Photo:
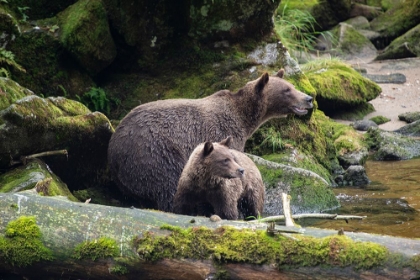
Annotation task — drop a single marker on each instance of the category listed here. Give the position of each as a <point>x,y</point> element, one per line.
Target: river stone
<point>394,78</point>
<point>353,158</point>
<point>356,175</point>
<point>409,117</point>
<point>358,22</point>
<point>363,125</point>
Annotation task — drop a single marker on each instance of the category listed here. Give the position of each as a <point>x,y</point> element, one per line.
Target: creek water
<point>391,201</point>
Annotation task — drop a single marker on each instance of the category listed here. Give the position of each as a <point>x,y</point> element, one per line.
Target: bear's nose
<point>241,170</point>
<point>309,99</point>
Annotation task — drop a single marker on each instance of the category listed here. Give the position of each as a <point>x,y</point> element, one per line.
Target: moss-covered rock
<point>49,69</point>
<point>34,10</point>
<point>331,12</point>
<point>404,46</point>
<point>85,34</point>
<point>409,117</point>
<point>397,20</point>
<point>341,89</point>
<point>392,146</point>
<point>35,174</point>
<point>10,92</point>
<point>351,44</point>
<point>380,120</point>
<point>33,124</point>
<point>309,191</point>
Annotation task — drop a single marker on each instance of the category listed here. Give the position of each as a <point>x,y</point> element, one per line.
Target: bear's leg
<point>226,207</point>
<point>251,205</point>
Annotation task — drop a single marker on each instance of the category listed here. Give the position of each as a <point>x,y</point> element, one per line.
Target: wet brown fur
<point>207,187</point>
<point>151,145</point>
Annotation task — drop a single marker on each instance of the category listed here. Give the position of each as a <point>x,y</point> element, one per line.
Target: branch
<point>24,159</point>
<point>315,215</point>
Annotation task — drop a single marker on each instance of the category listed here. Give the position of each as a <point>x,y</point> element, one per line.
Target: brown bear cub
<point>219,180</point>
<point>151,145</point>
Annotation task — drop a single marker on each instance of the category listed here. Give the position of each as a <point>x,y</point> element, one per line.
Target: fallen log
<point>81,241</point>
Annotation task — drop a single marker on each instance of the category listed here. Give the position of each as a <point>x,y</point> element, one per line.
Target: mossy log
<point>81,241</point>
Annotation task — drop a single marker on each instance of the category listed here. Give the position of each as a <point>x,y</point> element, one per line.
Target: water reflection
<point>391,202</point>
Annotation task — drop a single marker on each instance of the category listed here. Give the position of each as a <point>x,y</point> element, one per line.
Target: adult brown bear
<point>152,143</point>
<point>219,180</point>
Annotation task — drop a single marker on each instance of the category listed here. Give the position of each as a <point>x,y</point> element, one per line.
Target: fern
<point>7,57</point>
<point>96,100</point>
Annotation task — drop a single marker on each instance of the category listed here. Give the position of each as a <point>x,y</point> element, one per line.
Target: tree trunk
<point>64,225</point>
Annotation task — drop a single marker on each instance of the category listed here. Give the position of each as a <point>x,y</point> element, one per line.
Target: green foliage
<point>7,57</point>
<point>96,100</point>
<point>296,29</point>
<point>272,138</point>
<point>22,11</point>
<point>21,245</point>
<point>98,249</point>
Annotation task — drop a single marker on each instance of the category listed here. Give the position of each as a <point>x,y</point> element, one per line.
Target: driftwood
<point>66,224</point>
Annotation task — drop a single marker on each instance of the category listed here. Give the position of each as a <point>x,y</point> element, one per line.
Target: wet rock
<point>409,117</point>
<point>355,175</point>
<point>353,158</point>
<point>363,125</point>
<point>412,129</point>
<point>391,145</point>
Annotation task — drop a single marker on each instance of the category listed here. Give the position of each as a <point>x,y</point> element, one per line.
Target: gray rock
<point>363,125</point>
<point>392,145</point>
<point>394,78</point>
<point>355,175</point>
<point>412,129</point>
<point>353,158</point>
<point>358,22</point>
<point>406,45</point>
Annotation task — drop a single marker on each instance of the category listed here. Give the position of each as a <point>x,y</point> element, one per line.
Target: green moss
<point>21,245</point>
<point>97,249</point>
<point>379,120</point>
<point>10,92</point>
<point>339,87</point>
<point>227,245</point>
<point>34,175</point>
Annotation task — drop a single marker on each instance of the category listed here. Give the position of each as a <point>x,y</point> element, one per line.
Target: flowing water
<point>391,202</point>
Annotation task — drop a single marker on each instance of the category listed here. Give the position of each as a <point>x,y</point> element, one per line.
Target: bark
<point>66,224</point>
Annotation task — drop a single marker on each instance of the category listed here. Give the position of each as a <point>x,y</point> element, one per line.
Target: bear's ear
<point>227,142</point>
<point>280,74</point>
<point>208,148</point>
<point>261,82</point>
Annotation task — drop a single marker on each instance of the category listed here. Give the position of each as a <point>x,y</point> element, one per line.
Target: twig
<point>24,159</point>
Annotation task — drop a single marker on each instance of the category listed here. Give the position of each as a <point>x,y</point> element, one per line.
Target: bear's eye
<point>226,160</point>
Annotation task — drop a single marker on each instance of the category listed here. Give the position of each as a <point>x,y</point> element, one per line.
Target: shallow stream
<point>391,202</point>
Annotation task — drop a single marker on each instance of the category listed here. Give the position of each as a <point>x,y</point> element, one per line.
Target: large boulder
<point>404,46</point>
<point>396,21</point>
<point>86,35</point>
<point>331,12</point>
<point>33,125</point>
<point>342,92</point>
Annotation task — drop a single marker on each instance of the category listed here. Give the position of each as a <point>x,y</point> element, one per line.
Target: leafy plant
<point>8,58</point>
<point>272,138</point>
<point>296,30</point>
<point>22,12</point>
<point>96,100</point>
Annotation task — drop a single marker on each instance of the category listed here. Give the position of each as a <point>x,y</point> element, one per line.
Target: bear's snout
<point>241,171</point>
<point>309,99</point>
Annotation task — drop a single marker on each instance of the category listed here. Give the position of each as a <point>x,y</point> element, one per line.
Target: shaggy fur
<point>207,187</point>
<point>152,143</point>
